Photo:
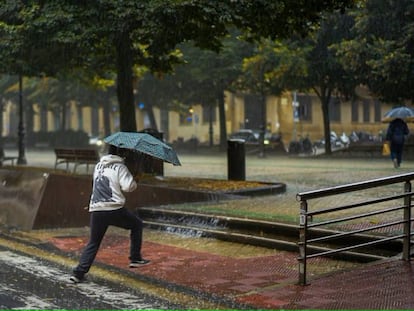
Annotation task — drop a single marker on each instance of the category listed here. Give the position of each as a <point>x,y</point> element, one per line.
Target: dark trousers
<point>99,223</point>
<point>396,152</point>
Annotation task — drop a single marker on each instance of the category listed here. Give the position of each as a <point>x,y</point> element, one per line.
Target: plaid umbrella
<point>144,143</point>
<point>405,113</point>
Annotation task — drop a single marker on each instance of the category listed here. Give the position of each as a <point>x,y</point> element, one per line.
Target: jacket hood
<point>111,159</point>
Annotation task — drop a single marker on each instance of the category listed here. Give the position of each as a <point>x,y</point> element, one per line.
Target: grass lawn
<point>299,175</point>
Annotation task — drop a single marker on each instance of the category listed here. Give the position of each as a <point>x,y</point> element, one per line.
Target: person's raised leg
<point>128,220</point>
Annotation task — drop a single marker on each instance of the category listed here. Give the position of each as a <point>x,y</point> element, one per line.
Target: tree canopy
<point>53,37</point>
<point>304,64</point>
<point>381,51</point>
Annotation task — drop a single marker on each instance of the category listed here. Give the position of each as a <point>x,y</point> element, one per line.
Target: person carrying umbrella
<point>110,179</point>
<point>396,132</point>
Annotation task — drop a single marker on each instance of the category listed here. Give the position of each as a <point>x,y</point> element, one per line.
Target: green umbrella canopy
<point>145,143</point>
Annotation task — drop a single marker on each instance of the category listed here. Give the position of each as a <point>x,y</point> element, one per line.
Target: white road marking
<point>116,299</point>
<point>30,301</point>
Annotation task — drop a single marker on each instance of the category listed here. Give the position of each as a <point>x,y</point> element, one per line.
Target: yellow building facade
<point>241,112</point>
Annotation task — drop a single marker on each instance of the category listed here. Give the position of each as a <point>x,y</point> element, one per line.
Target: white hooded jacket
<point>110,179</point>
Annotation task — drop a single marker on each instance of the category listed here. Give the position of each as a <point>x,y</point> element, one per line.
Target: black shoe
<point>396,165</point>
<point>75,280</point>
<point>138,263</point>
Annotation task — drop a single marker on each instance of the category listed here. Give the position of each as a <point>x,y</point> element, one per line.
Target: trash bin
<point>236,160</point>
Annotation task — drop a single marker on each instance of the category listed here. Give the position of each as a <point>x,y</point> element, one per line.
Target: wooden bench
<point>76,157</point>
<point>4,158</point>
<point>372,149</point>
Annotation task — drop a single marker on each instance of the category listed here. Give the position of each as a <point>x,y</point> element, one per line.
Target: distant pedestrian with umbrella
<point>396,132</point>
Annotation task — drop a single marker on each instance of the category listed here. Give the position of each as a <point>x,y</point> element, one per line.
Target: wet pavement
<point>231,277</point>
<point>31,283</point>
<point>240,276</point>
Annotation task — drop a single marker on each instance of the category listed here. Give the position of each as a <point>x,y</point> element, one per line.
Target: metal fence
<point>376,204</point>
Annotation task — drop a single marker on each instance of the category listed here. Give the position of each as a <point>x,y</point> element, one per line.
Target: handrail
<point>344,234</point>
<point>382,211</point>
<point>363,185</point>
<point>306,216</point>
<point>338,208</point>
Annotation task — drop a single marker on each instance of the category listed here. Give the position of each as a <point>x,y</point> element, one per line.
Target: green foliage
<point>55,37</point>
<point>6,82</point>
<point>381,53</point>
<point>275,67</point>
<point>37,38</point>
<point>304,64</point>
<point>325,70</point>
<point>282,19</point>
<point>202,76</point>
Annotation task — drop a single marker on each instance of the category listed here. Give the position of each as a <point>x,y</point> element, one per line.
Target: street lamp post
<point>21,157</point>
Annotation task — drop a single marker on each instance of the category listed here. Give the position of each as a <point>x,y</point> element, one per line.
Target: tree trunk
<point>222,117</point>
<point>124,88</point>
<point>325,98</point>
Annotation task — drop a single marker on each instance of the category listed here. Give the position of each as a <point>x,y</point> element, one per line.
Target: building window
<point>377,111</point>
<point>335,110</point>
<point>365,110</point>
<point>305,107</point>
<point>355,111</point>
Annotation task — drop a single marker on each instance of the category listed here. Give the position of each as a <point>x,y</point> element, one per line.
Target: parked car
<point>253,136</point>
<point>249,136</point>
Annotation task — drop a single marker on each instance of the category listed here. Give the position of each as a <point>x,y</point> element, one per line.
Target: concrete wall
<point>20,195</point>
<point>33,199</point>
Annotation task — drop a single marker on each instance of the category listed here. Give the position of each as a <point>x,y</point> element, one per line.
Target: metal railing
<point>307,217</point>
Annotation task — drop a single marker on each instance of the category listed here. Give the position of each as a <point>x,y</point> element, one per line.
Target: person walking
<point>110,179</point>
<point>396,132</point>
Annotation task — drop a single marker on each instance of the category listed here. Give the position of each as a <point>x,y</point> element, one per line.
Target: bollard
<point>236,161</point>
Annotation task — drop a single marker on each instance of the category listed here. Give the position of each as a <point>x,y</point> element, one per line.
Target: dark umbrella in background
<point>144,143</point>
<point>404,113</point>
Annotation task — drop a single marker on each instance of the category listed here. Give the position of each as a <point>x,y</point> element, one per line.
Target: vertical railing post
<point>303,221</point>
<point>407,222</point>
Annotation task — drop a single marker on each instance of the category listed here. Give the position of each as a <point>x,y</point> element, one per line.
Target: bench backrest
<point>77,154</point>
<point>67,154</point>
<point>87,154</point>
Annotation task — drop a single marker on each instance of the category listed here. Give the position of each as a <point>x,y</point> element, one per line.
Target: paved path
<point>49,288</point>
<point>259,279</point>
<point>230,281</point>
